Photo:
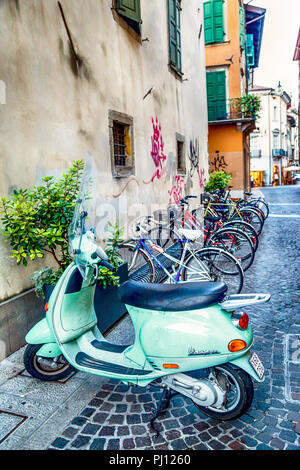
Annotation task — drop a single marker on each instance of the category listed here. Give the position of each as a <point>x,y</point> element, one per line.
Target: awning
<point>292,168</point>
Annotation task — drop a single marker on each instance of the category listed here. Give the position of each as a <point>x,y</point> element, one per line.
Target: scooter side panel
<point>195,333</point>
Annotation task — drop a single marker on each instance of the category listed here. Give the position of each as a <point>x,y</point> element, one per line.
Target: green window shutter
<point>208,22</point>
<point>213,13</point>
<point>175,34</point>
<point>218,20</point>
<point>242,28</point>
<point>131,9</point>
<point>250,51</point>
<point>216,95</point>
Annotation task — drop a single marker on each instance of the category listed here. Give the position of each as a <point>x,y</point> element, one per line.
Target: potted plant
<point>36,223</point>
<point>217,180</point>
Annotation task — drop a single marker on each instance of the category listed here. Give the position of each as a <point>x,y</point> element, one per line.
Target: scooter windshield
<point>82,227</point>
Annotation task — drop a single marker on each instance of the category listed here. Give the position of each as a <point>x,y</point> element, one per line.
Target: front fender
<point>40,334</point>
<point>243,363</point>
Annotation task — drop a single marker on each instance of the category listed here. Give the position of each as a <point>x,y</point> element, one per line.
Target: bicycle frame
<point>177,261</point>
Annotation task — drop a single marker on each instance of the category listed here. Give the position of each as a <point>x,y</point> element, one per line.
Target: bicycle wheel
<point>245,228</point>
<point>214,264</point>
<point>261,205</point>
<point>236,242</point>
<point>140,265</point>
<point>249,215</point>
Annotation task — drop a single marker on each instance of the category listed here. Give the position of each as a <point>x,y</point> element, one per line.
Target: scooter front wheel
<point>239,393</point>
<point>45,368</point>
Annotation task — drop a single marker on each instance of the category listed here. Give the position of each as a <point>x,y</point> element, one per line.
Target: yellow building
<point>233,34</point>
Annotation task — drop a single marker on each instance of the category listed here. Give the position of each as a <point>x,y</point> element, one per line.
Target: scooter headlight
<point>240,320</point>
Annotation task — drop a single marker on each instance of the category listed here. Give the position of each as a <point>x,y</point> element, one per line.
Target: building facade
<point>274,142</point>
<point>123,79</point>
<point>297,58</point>
<point>232,48</point>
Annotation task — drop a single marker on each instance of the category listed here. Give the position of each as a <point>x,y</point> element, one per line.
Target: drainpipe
<point>270,148</point>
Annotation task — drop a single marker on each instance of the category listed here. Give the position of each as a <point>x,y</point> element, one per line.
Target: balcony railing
<point>255,153</point>
<point>231,109</point>
<point>279,153</point>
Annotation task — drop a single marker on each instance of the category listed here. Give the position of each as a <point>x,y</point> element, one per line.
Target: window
<point>213,21</point>
<point>175,35</point>
<point>275,113</point>
<point>216,95</point>
<point>130,11</point>
<point>275,139</point>
<point>180,153</point>
<point>121,144</point>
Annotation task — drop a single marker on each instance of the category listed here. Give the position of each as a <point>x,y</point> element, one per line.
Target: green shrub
<point>36,223</point>
<point>217,180</point>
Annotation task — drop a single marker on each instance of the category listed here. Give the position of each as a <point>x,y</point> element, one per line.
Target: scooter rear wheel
<point>239,397</point>
<point>38,368</point>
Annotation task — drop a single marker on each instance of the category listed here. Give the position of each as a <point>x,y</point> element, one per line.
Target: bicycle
<point>206,264</point>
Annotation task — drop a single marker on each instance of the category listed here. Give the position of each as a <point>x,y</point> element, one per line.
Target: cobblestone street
<point>118,416</point>
<point>89,412</point>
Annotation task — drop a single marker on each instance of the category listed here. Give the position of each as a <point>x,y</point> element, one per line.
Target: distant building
<point>297,57</point>
<point>233,35</point>
<point>274,142</point>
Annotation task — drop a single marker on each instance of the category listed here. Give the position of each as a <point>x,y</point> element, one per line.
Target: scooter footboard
<point>233,302</point>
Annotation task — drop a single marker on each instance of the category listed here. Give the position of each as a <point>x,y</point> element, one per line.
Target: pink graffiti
<point>202,180</point>
<point>123,189</point>
<point>157,152</point>
<point>175,191</point>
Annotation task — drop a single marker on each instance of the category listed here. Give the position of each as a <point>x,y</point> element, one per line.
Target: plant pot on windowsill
<point>109,309</point>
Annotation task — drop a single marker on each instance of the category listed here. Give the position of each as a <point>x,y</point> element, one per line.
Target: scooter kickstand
<point>162,407</point>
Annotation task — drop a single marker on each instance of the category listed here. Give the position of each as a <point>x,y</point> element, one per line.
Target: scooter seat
<point>172,297</point>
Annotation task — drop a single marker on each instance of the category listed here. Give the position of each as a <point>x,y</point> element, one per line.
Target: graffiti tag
<point>175,192</point>
<point>218,163</point>
<point>157,151</point>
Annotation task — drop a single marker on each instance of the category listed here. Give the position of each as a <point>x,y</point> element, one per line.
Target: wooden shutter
<point>218,20</point>
<point>213,21</point>
<point>175,34</point>
<point>250,51</point>
<point>216,95</point>
<point>242,28</point>
<point>208,22</point>
<point>131,9</point>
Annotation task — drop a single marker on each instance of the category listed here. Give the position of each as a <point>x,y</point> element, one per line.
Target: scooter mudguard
<point>243,363</point>
<point>41,334</point>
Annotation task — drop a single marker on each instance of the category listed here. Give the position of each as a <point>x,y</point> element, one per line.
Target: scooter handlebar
<point>107,265</point>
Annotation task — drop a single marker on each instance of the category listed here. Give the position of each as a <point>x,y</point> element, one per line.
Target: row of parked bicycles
<point>216,241</point>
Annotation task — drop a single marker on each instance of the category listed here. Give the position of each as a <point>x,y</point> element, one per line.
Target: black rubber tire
<point>251,216</point>
<point>130,248</point>
<point>247,228</point>
<point>34,369</point>
<point>206,254</point>
<point>226,237</point>
<point>245,385</point>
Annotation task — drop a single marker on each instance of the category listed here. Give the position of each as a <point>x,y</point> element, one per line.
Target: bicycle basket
<point>205,198</point>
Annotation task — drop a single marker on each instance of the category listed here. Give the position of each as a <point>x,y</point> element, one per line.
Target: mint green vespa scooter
<point>189,338</point>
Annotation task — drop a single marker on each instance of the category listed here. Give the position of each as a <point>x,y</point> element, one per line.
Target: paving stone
<point>60,443</point>
<point>98,444</point>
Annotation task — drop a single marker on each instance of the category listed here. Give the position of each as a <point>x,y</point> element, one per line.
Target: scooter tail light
<point>170,366</point>
<point>244,321</point>
<point>46,307</point>
<point>240,320</point>
<point>237,345</point>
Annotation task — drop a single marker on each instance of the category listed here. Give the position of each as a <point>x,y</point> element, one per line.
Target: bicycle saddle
<point>190,234</point>
<point>172,297</point>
